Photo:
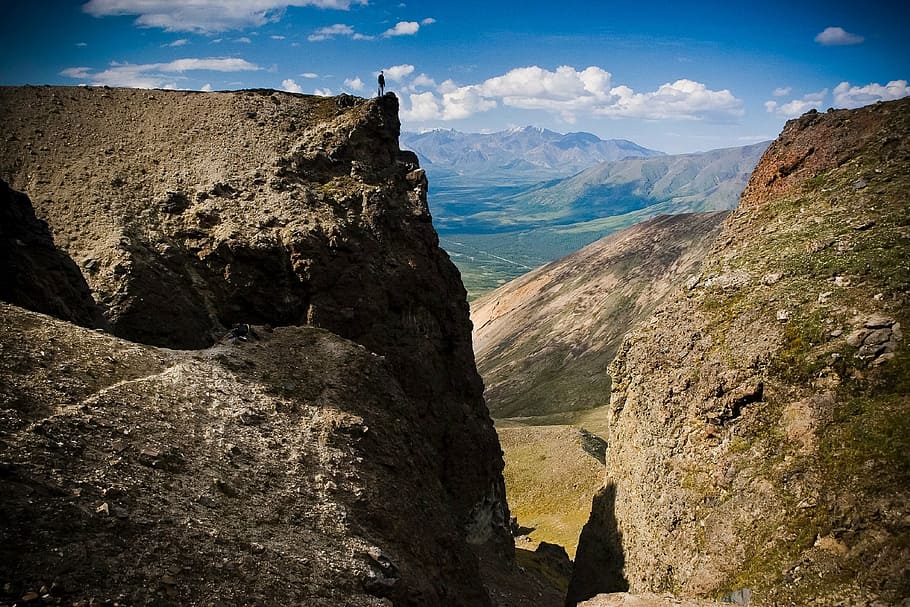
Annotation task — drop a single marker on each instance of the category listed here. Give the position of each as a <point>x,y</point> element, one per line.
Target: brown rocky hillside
<point>342,454</point>
<point>543,341</point>
<point>758,430</point>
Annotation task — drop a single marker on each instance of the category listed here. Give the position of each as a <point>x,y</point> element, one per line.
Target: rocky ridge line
<point>758,429</point>
<point>191,212</point>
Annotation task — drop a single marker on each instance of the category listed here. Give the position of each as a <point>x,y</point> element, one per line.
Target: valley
<point>505,203</point>
<point>738,366</point>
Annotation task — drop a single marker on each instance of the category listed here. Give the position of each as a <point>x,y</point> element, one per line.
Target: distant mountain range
<point>705,181</point>
<point>510,201</point>
<point>528,150</point>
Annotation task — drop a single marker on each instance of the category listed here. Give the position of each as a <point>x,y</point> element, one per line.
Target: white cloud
<point>681,100</point>
<point>82,44</point>
<point>243,40</point>
<point>355,84</point>
<point>309,75</point>
<point>207,87</point>
<point>423,81</point>
<point>176,43</point>
<point>155,75</point>
<point>424,107</point>
<point>849,96</point>
<point>339,29</point>
<point>402,28</point>
<point>428,21</point>
<point>798,107</point>
<point>782,91</point>
<point>206,15</point>
<point>837,36</point>
<point>569,92</point>
<point>290,86</point>
<point>397,73</point>
<point>323,92</point>
<point>565,90</point>
<point>276,37</point>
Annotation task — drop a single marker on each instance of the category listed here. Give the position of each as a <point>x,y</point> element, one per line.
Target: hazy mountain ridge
<point>496,233</point>
<point>520,149</point>
<point>704,181</point>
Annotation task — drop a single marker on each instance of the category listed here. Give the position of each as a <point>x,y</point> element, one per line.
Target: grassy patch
<point>550,481</point>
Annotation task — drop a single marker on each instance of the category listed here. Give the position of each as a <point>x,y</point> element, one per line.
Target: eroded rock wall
<point>190,212</point>
<point>34,273</point>
<point>758,436</point>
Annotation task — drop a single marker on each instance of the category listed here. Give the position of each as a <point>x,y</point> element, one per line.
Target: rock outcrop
<point>190,213</point>
<point>34,273</point>
<point>758,436</point>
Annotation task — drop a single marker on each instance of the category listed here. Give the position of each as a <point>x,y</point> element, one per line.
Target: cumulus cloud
<point>428,21</point>
<point>323,92</point>
<point>569,92</point>
<point>397,73</point>
<point>680,100</point>
<point>837,36</point>
<point>845,96</point>
<point>782,91</point>
<point>327,33</point>
<point>423,81</point>
<point>206,88</point>
<point>205,16</point>
<point>339,29</point>
<point>243,40</point>
<point>176,43</point>
<point>798,107</point>
<point>355,84</point>
<point>848,96</point>
<point>402,28</point>
<point>155,75</point>
<point>290,86</point>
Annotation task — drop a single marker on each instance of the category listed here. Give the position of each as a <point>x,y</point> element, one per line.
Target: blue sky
<point>674,76</point>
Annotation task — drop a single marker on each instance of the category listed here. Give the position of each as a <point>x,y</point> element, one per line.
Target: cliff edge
<point>758,432</point>
<point>334,443</point>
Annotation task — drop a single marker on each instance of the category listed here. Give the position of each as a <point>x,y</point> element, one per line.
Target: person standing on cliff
<point>381,83</point>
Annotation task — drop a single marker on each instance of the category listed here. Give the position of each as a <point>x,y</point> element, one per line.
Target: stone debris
<point>625,599</point>
<point>771,278</point>
<point>879,337</point>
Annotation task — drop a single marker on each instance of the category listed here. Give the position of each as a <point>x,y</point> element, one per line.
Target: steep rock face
<point>277,470</point>
<point>191,212</point>
<point>35,274</point>
<point>758,435</point>
<point>543,340</point>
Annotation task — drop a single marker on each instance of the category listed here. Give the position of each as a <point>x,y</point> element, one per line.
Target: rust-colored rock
<point>758,429</point>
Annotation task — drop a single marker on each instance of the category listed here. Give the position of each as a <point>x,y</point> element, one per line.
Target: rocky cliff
<point>34,273</point>
<point>344,450</point>
<point>758,430</point>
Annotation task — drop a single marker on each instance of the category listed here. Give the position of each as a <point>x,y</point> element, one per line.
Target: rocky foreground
<point>280,405</point>
<point>758,429</point>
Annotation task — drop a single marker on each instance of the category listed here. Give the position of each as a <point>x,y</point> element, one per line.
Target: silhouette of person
<point>381,83</point>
